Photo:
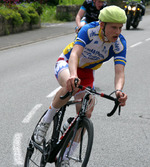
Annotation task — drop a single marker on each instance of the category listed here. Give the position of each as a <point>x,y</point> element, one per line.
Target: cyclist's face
<point>98,4</point>
<point>112,31</point>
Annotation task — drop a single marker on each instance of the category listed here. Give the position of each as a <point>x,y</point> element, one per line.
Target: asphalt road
<point>27,81</point>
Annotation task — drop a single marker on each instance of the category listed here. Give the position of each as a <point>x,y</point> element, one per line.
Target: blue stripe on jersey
<point>83,8</point>
<point>120,58</point>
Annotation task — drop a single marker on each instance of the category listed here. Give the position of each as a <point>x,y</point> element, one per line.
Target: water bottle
<point>66,125</point>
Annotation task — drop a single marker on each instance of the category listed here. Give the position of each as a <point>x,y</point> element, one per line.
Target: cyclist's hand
<point>122,97</point>
<point>77,29</point>
<point>71,83</point>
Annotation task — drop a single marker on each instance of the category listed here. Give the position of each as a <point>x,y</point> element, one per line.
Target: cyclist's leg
<point>62,73</point>
<point>57,103</point>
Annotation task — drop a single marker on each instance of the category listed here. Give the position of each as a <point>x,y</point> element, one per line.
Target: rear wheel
<point>80,150</point>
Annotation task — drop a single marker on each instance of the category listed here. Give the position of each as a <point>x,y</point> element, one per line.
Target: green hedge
<point>11,14</point>
<point>71,2</point>
<point>19,14</point>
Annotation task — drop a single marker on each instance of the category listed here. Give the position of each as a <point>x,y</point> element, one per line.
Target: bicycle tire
<point>87,143</point>
<point>34,157</point>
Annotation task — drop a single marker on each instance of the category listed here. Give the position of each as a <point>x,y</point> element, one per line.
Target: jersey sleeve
<point>84,6</point>
<point>83,38</point>
<point>119,50</point>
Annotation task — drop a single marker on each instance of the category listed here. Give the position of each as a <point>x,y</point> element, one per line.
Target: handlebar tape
<point>114,109</point>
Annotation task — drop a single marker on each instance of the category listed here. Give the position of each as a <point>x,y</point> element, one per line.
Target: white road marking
<point>31,114</point>
<point>135,44</point>
<point>53,92</point>
<point>17,152</point>
<point>148,39</point>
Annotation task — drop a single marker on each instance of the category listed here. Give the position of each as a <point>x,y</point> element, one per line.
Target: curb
<point>31,42</point>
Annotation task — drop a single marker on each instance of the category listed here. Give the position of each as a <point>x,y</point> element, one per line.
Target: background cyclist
<point>89,12</point>
<point>95,44</point>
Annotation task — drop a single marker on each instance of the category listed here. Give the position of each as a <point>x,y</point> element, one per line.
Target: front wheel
<point>77,154</point>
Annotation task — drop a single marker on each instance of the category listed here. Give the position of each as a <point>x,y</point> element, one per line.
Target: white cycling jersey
<point>96,51</point>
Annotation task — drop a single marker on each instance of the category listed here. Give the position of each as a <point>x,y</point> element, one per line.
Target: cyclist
<point>89,12</point>
<point>95,44</point>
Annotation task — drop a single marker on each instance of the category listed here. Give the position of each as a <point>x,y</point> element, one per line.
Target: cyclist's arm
<point>119,83</point>
<point>119,76</point>
<point>79,16</point>
<point>73,64</point>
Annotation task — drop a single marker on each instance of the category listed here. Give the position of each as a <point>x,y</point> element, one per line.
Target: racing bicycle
<point>79,131</point>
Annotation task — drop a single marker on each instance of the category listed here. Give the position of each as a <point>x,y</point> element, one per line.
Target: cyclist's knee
<point>63,76</point>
